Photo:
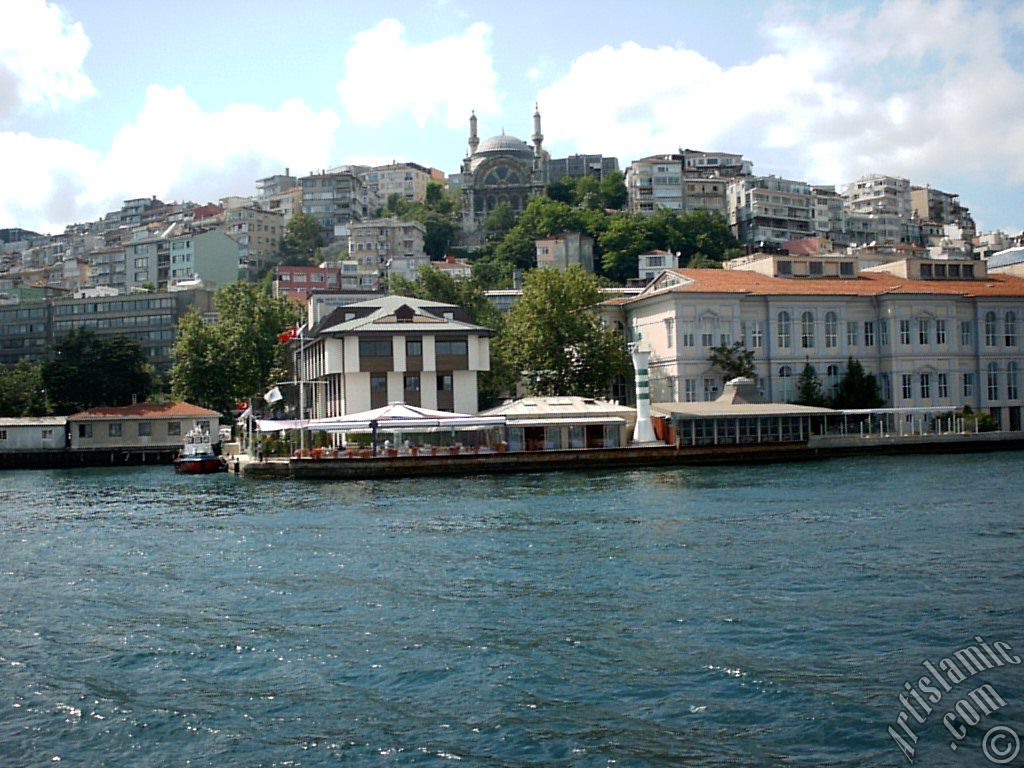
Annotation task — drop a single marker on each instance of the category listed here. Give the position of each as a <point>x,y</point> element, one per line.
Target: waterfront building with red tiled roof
<point>149,426</point>
<point>934,332</point>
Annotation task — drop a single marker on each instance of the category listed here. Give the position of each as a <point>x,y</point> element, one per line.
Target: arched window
<point>784,330</point>
<point>993,381</point>
<point>990,329</point>
<point>786,383</point>
<point>1012,393</point>
<point>832,377</point>
<point>831,330</point>
<point>807,330</point>
<point>1011,329</point>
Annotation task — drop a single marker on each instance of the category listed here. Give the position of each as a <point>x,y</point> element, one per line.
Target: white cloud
<point>852,93</point>
<point>173,150</point>
<point>173,140</point>
<point>41,56</point>
<point>386,76</point>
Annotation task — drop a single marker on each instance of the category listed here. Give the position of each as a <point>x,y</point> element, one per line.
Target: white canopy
<point>397,417</point>
<point>277,425</point>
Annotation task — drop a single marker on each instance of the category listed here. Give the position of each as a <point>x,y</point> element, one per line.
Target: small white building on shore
<point>554,423</point>
<point>41,433</point>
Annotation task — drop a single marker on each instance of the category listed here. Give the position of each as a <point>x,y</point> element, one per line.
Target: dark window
<point>85,430</point>
<point>414,348</point>
<point>452,347</point>
<point>114,429</point>
<point>173,428</point>
<point>444,382</point>
<point>379,382</point>
<point>374,347</point>
<point>145,428</point>
<point>412,383</point>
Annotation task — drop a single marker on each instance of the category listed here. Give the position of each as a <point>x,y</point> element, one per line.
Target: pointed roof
<point>397,314</point>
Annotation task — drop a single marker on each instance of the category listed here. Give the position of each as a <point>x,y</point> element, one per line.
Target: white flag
<point>273,395</point>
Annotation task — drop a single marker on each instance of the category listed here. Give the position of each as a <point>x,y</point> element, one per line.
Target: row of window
<point>130,321</point>
<point>411,382</point>
<point>369,347</point>
<point>992,381</point>
<point>137,305</point>
<point>47,434</point>
<point>116,429</point>
<point>928,329</point>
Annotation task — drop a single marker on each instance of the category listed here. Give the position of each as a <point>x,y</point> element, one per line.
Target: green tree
<point>808,387</point>
<point>442,232</point>
<point>621,243</point>
<point>857,389</point>
<point>499,221</point>
<point>397,205</point>
<point>588,192</point>
<point>88,370</point>
<point>700,261</point>
<point>199,357</point>
<point>692,233</point>
<point>437,199</point>
<point>433,284</point>
<point>733,361</point>
<point>21,390</point>
<point>554,339</point>
<point>490,271</point>
<point>302,238</point>
<point>564,190</point>
<point>613,191</point>
<point>544,217</point>
<point>241,349</point>
<point>518,250</point>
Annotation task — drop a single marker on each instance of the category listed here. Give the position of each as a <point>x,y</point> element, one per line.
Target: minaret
<point>538,137</point>
<point>474,140</point>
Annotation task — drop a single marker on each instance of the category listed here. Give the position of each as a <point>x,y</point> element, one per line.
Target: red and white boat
<point>197,456</point>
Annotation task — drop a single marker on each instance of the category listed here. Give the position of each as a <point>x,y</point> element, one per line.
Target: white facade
<point>32,434</point>
<point>878,193</point>
<point>691,180</point>
<point>770,209</point>
<point>367,354</point>
<point>929,343</point>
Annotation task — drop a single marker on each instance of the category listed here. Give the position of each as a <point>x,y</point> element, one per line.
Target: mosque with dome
<point>501,169</point>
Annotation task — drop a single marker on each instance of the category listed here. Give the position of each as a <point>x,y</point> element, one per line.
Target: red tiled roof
<point>865,284</point>
<point>146,411</point>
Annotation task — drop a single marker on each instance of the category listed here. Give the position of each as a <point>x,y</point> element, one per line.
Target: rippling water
<point>698,616</point>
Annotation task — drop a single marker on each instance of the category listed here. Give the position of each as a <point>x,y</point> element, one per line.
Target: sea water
<point>748,615</point>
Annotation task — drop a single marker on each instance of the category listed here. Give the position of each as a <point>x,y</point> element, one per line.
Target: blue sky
<point>101,101</point>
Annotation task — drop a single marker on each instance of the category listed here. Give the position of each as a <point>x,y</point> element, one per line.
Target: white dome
<point>504,144</point>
